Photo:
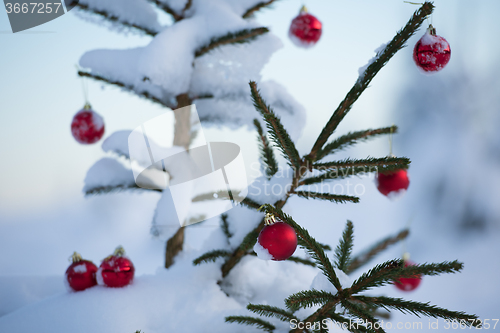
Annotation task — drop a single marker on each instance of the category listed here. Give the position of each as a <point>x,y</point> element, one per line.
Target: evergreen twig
<point>417,308</point>
<point>211,256</point>
<point>367,255</point>
<point>344,249</point>
<point>99,190</point>
<point>251,321</point>
<point>266,152</point>
<point>239,37</point>
<point>278,133</point>
<point>114,19</point>
<point>166,8</point>
<point>224,224</point>
<point>250,203</point>
<point>396,44</point>
<point>257,7</point>
<point>353,138</point>
<point>360,312</point>
<point>309,298</point>
<point>370,162</point>
<point>271,311</point>
<point>392,270</point>
<point>337,198</point>
<point>129,88</point>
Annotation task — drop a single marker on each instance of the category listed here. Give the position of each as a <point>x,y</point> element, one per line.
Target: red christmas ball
<point>392,183</point>
<point>432,52</point>
<point>276,241</point>
<point>116,270</point>
<point>81,274</point>
<point>408,284</point>
<point>87,126</point>
<point>305,29</point>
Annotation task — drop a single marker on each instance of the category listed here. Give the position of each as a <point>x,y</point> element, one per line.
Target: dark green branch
<point>266,152</point>
<point>396,44</point>
<point>239,37</point>
<point>352,138</point>
<point>271,311</point>
<point>115,189</point>
<point>257,7</point>
<point>251,321</point>
<point>225,226</point>
<point>344,249</point>
<point>337,198</point>
<point>129,88</point>
<point>367,255</point>
<point>367,163</point>
<point>417,308</point>
<point>360,312</point>
<point>211,256</point>
<point>163,6</point>
<point>276,130</point>
<point>114,19</point>
<point>309,298</point>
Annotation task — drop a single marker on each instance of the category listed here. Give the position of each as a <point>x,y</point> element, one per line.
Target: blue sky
<point>43,167</point>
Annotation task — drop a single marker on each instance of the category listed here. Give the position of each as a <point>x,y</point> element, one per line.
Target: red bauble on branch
<point>432,52</point>
<point>408,284</point>
<point>81,274</point>
<point>393,183</point>
<point>116,270</point>
<point>277,240</point>
<point>87,126</point>
<point>305,29</point>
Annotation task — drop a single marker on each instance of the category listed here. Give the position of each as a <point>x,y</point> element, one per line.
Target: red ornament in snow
<point>305,29</point>
<point>393,183</point>
<point>277,240</point>
<point>81,274</point>
<point>408,284</point>
<point>87,126</point>
<point>116,270</point>
<point>432,52</point>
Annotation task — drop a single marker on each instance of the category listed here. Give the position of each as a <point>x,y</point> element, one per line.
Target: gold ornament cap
<point>75,257</point>
<point>269,219</point>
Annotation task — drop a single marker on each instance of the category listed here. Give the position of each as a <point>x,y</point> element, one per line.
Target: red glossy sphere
<point>305,30</point>
<point>87,126</point>
<point>392,183</point>
<point>408,284</point>
<point>431,53</point>
<point>81,275</point>
<point>279,239</point>
<point>116,271</point>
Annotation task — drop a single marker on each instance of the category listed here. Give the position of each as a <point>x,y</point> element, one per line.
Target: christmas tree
<point>211,32</point>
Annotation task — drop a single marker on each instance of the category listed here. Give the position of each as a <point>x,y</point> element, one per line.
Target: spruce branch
<point>361,313</point>
<point>302,261</point>
<point>114,19</point>
<point>396,44</point>
<point>392,270</point>
<point>251,321</point>
<point>99,190</point>
<point>239,37</point>
<point>278,133</point>
<point>309,298</point>
<point>337,198</point>
<point>349,167</point>
<point>344,249</point>
<point>314,249</point>
<point>166,8</point>
<point>384,163</point>
<point>128,88</point>
<point>250,203</point>
<point>417,308</point>
<point>353,138</point>
<point>368,254</point>
<point>247,243</point>
<point>211,256</point>
<point>224,224</point>
<point>250,11</point>
<point>266,152</point>
<point>271,311</point>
